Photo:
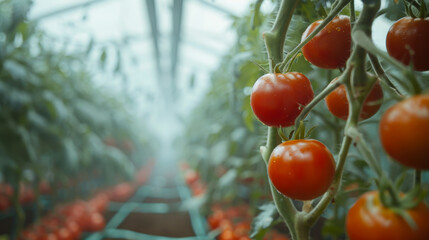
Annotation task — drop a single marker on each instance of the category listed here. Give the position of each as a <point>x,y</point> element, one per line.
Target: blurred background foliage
<point>55,123</point>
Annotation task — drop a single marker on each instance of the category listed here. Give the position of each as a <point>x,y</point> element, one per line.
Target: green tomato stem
<point>302,226</point>
<point>355,68</point>
<point>352,13</point>
<point>325,92</point>
<point>359,88</point>
<point>365,42</point>
<point>20,216</point>
<point>317,211</point>
<point>275,38</point>
<point>274,42</point>
<point>286,210</point>
<point>417,177</point>
<point>382,75</point>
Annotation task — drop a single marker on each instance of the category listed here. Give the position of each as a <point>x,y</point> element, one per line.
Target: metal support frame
<point>67,9</point>
<point>151,10</point>
<point>175,40</point>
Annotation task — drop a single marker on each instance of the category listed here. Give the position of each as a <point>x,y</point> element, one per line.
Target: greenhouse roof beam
<point>67,9</point>
<point>175,41</point>
<point>151,10</point>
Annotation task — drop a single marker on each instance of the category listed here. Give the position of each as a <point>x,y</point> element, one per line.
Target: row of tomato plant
<point>70,219</point>
<point>58,126</point>
<point>371,129</point>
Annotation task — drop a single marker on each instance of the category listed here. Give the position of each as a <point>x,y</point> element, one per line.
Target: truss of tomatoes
<point>69,221</point>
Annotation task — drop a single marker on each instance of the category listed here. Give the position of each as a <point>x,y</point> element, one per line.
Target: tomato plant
<point>407,42</point>
<point>368,219</point>
<point>338,104</point>
<point>301,169</point>
<point>403,132</point>
<point>277,99</point>
<point>331,47</point>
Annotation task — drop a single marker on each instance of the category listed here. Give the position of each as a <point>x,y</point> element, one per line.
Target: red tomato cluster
<point>193,180</point>
<point>67,222</point>
<point>6,193</point>
<point>26,195</point>
<point>121,192</point>
<point>143,174</point>
<point>234,223</point>
<point>125,190</point>
<point>125,145</point>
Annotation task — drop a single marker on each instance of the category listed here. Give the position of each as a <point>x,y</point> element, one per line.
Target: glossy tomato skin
<point>368,219</point>
<point>338,103</point>
<point>331,47</point>
<point>301,169</point>
<point>404,129</point>
<point>277,99</point>
<point>410,34</point>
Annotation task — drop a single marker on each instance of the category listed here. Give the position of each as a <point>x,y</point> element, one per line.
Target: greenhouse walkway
<point>161,209</point>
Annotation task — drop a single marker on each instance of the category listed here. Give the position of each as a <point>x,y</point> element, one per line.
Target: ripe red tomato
<point>215,219</point>
<point>96,222</point>
<point>227,234</point>
<point>404,132</point>
<point>99,203</point>
<point>26,195</point>
<point>368,219</point>
<point>331,47</point>
<point>49,236</point>
<point>45,187</point>
<point>242,228</point>
<point>191,176</point>
<point>64,233</point>
<point>78,211</point>
<point>410,35</point>
<point>301,169</point>
<point>277,99</point>
<point>74,228</point>
<point>338,104</point>
<point>29,234</point>
<point>5,202</point>
<point>122,192</point>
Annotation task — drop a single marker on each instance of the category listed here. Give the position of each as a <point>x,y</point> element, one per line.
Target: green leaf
<point>36,119</point>
<point>55,105</point>
<point>264,221</point>
<point>118,66</point>
<point>333,228</point>
<point>89,47</point>
<point>228,178</point>
<point>26,139</point>
<point>103,57</point>
<point>24,30</point>
<point>71,152</point>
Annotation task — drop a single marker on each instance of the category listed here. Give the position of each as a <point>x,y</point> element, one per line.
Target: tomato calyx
<point>416,9</point>
<point>399,202</point>
<point>300,133</point>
